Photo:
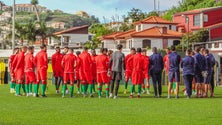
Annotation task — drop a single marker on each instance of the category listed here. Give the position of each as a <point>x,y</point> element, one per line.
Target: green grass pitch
<point>55,110</point>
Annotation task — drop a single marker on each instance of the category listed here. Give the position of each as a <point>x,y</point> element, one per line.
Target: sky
<point>101,8</point>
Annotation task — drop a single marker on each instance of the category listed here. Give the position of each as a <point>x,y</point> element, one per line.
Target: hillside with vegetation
<point>71,20</point>
<point>190,5</point>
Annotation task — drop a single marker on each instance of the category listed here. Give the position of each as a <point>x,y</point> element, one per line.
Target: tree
<point>99,30</point>
<point>42,31</point>
<point>21,32</point>
<point>35,3</point>
<point>31,32</point>
<point>135,15</point>
<point>125,27</point>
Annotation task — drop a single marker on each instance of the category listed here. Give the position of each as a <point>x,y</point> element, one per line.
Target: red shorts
<point>94,75</point>
<point>29,77</point>
<point>58,73</point>
<point>19,74</point>
<point>137,78</point>
<point>77,77</point>
<point>102,77</point>
<point>86,76</point>
<point>128,74</point>
<point>41,75</point>
<point>68,77</point>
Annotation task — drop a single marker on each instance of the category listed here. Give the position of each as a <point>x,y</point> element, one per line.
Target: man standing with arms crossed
<point>174,71</point>
<point>128,72</point>
<point>29,70</point>
<point>117,67</point>
<point>57,68</point>
<point>41,61</point>
<point>68,63</point>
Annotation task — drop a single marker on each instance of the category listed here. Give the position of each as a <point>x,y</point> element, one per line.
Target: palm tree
<point>31,32</point>
<point>42,31</point>
<point>35,3</point>
<point>20,32</point>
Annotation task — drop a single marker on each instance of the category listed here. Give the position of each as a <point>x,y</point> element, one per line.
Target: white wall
<point>78,38</point>
<point>148,26</point>
<point>155,42</point>
<point>109,44</point>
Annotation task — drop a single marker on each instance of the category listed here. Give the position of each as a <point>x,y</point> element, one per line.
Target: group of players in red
<point>87,70</point>
<point>27,70</point>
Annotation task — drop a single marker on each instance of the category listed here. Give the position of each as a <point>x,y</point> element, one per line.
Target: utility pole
<point>155,5</point>
<point>13,25</point>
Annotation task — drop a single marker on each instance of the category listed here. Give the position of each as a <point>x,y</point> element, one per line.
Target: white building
<point>73,37</point>
<point>29,8</point>
<point>151,32</point>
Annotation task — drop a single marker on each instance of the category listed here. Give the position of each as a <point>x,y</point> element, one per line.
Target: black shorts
<point>207,79</point>
<point>174,76</point>
<point>116,75</point>
<point>199,78</point>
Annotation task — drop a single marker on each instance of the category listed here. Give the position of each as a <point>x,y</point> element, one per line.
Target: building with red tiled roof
<point>204,18</point>
<point>73,37</point>
<point>150,32</point>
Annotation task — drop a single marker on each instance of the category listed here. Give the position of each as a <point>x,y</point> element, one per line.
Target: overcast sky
<point>101,8</point>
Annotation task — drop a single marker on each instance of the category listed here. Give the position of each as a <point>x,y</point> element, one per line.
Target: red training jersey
<point>29,63</point>
<point>138,62</point>
<point>78,64</point>
<point>102,63</point>
<point>146,63</point>
<point>19,61</point>
<point>86,62</point>
<point>68,63</point>
<point>166,63</point>
<point>41,60</point>
<point>128,64</point>
<point>57,62</point>
<point>11,66</point>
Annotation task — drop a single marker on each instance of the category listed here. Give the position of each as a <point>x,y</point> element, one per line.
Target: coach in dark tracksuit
<point>174,71</point>
<point>213,61</point>
<point>156,67</point>
<point>188,71</point>
<point>117,66</point>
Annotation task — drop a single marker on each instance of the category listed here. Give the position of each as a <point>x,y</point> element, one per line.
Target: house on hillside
<point>73,37</point>
<point>29,8</point>
<point>150,32</point>
<point>1,5</point>
<point>204,18</point>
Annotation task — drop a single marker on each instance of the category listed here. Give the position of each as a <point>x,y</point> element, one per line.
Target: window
<point>139,28</point>
<point>216,45</point>
<point>146,43</point>
<point>170,27</point>
<point>209,45</point>
<point>205,18</point>
<point>196,20</point>
<point>176,42</point>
